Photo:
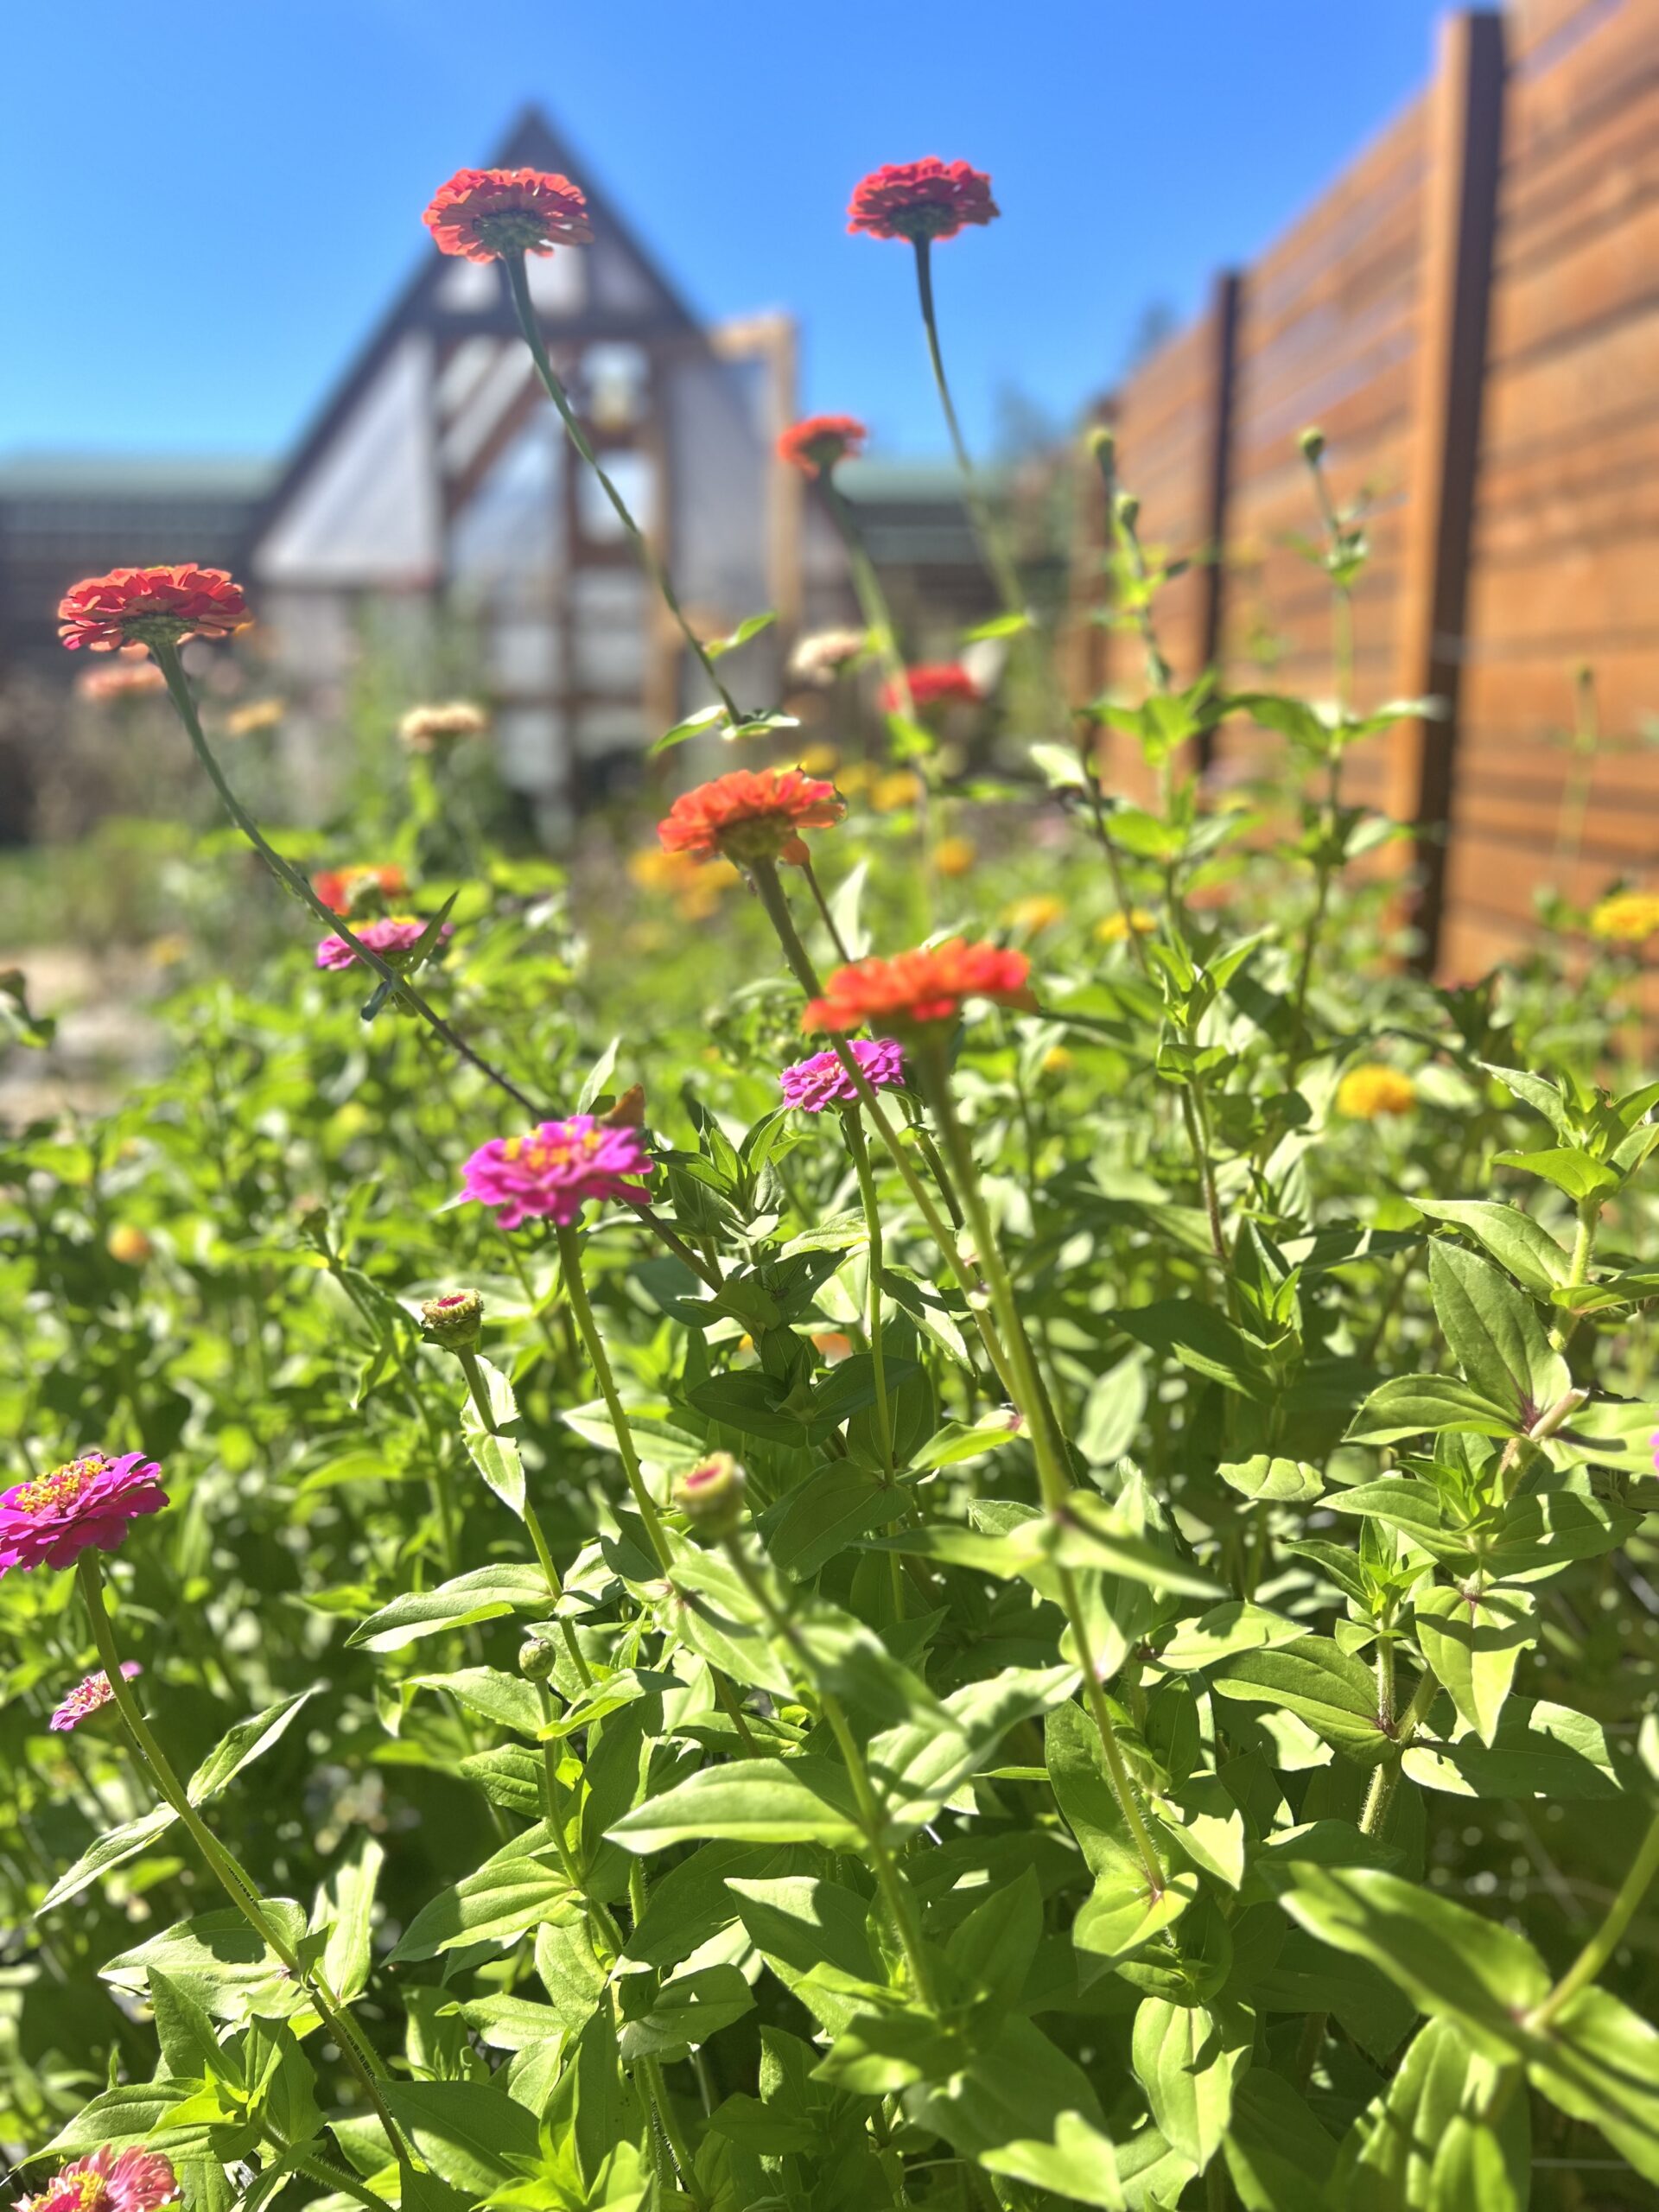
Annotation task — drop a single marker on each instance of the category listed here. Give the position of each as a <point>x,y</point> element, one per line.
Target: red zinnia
<point>751,815</point>
<point>921,201</point>
<point>151,607</point>
<point>919,988</point>
<point>942,684</point>
<point>338,888</point>
<point>821,441</point>
<point>484,214</point>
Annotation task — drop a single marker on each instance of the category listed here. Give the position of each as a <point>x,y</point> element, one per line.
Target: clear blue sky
<point>209,206</point>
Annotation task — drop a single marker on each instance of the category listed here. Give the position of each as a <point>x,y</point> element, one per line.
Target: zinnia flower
<point>484,214</point>
<point>1029,916</point>
<point>392,934</point>
<point>820,657</point>
<point>823,1081</point>
<point>132,2180</point>
<point>89,1697</point>
<point>939,684</point>
<point>921,201</point>
<point>126,679</point>
<point>339,888</point>
<point>423,728</point>
<point>1368,1091</point>
<point>151,607</point>
<point>750,815</point>
<point>257,714</point>
<point>955,855</point>
<point>1114,929</point>
<point>554,1171</point>
<point>899,787</point>
<point>920,988</point>
<point>51,1519</point>
<point>1627,917</point>
<point>815,445</point>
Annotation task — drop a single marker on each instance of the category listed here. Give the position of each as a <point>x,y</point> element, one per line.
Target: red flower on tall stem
<point>921,201</point>
<point>920,988</point>
<point>483,213</point>
<point>751,815</point>
<point>151,607</point>
<point>938,683</point>
<point>819,441</point>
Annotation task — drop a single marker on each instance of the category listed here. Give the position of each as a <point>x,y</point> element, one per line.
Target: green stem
<point>553,1799</point>
<point>997,558</point>
<point>1596,1953</point>
<point>576,1291</point>
<point>1386,1774</point>
<point>708,1270</point>
<point>523,308</point>
<point>860,1152</point>
<point>296,880</point>
<point>1583,1244</point>
<point>679,2148</point>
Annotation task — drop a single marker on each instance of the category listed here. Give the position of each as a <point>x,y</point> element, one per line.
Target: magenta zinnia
<point>132,2180</point>
<point>89,1697</point>
<point>391,936</point>
<point>822,1081</point>
<point>554,1171</point>
<point>50,1520</point>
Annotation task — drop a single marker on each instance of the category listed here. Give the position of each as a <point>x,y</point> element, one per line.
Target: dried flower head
<point>750,815</point>
<point>151,607</point>
<point>816,443</point>
<point>132,2180</point>
<point>920,988</point>
<point>354,890</point>
<point>90,1697</point>
<point>483,213</point>
<point>85,1505</point>
<point>422,729</point>
<point>135,677</point>
<point>1628,918</point>
<point>937,683</point>
<point>1371,1089</point>
<point>921,201</point>
<point>822,1081</point>
<point>820,657</point>
<point>394,937</point>
<point>553,1171</point>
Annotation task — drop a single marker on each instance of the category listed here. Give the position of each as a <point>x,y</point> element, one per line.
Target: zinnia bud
<point>710,1495</point>
<point>1128,509</point>
<point>454,1320</point>
<point>537,1658</point>
<point>1312,445</point>
<point>1102,444</point>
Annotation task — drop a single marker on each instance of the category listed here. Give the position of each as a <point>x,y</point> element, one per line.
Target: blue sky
<point>210,207</point>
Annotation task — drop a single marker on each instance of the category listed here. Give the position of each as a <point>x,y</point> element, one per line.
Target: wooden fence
<point>1471,313</point>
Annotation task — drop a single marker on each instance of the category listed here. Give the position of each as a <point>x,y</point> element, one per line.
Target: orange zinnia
<point>483,213</point>
<point>919,987</point>
<point>751,815</point>
<point>337,887</point>
<point>151,607</point>
<point>819,441</point>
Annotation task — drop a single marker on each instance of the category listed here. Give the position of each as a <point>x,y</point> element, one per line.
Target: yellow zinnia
<point>1040,911</point>
<point>1114,929</point>
<point>1628,918</point>
<point>1366,1092</point>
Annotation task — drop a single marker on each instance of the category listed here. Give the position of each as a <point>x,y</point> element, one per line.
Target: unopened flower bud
<point>454,1320</point>
<point>710,1495</point>
<point>1128,509</point>
<point>1312,445</point>
<point>1102,444</point>
<point>537,1659</point>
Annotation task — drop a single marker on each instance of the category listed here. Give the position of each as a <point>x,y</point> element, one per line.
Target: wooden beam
<point>1459,222</point>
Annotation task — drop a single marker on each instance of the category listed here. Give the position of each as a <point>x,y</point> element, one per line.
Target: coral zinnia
<point>920,988</point>
<point>750,815</point>
<point>821,441</point>
<point>823,1081</point>
<point>1371,1089</point>
<point>484,214</point>
<point>50,1520</point>
<point>938,683</point>
<point>339,888</point>
<point>391,935</point>
<point>151,607</point>
<point>921,201</point>
<point>554,1171</point>
<point>125,679</point>
<point>89,1697</point>
<point>132,2180</point>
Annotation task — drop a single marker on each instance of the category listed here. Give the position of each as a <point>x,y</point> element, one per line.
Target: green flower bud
<point>537,1659</point>
<point>1128,509</point>
<point>710,1495</point>
<point>1312,445</point>
<point>1102,442</point>
<point>454,1320</point>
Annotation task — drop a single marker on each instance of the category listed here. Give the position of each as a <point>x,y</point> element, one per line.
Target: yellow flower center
<point>61,1487</point>
<point>539,1154</point>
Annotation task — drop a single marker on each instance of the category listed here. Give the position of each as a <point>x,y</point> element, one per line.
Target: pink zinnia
<point>823,1081</point>
<point>127,2181</point>
<point>50,1520</point>
<point>388,937</point>
<point>554,1171</point>
<point>90,1697</point>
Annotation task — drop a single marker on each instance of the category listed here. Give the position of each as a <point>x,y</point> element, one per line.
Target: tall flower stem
<point>860,1152</point>
<point>523,308</point>
<point>1607,1940</point>
<point>296,880</point>
<point>997,557</point>
<point>896,1894</point>
<point>576,1291</point>
<point>237,1883</point>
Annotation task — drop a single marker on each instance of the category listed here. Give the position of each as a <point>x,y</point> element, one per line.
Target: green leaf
<point>1278,2156</point>
<point>1538,1749</point>
<point>520,1886</point>
<point>1601,2063</point>
<point>1319,1682</point>
<point>1513,1238</point>
<point>684,2012</point>
<point>1495,1333</point>
<point>815,1936</point>
<point>1537,1091</point>
<point>495,1456</point>
<point>918,1764</point>
<point>715,1614</point>
<point>1419,1405</point>
<point>112,1849</point>
<point>1288,1482</point>
<point>1221,1633</point>
<point>1473,1644</point>
<point>242,1745</point>
<point>1020,2106</point>
<point>507,1700</point>
<point>219,1961</point>
<point>1569,1168</point>
<point>1187,2060</point>
<point>346,1907</point>
<point>480,1595</point>
<point>1202,1339</point>
<point>756,1801</point>
<point>1391,2160</point>
<point>693,726</point>
<point>472,2135</point>
<point>570,1972</point>
<point>835,1505</point>
<point>750,626</point>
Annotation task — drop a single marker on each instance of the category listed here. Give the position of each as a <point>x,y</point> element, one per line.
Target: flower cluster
<point>1372,1089</point>
<point>921,201</point>
<point>815,445</point>
<point>151,607</point>
<point>343,889</point>
<point>484,214</point>
<point>822,1081</point>
<point>393,937</point>
<point>552,1173</point>
<point>919,989</point>
<point>132,2180</point>
<point>89,1697</point>
<point>937,683</point>
<point>85,1505</point>
<point>753,814</point>
<point>1627,917</point>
